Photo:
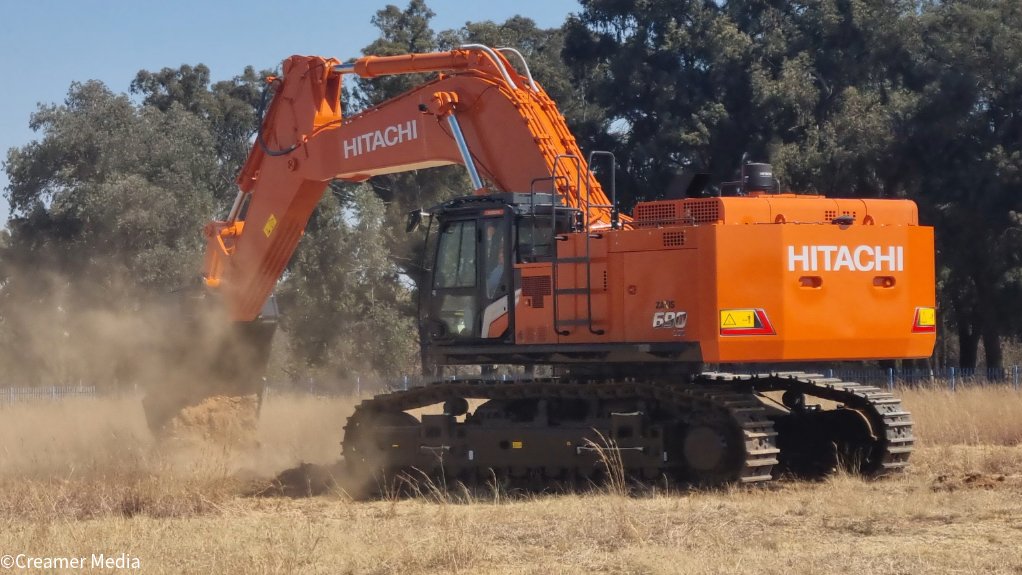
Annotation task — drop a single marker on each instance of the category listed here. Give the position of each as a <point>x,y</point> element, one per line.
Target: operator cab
<point>472,279</point>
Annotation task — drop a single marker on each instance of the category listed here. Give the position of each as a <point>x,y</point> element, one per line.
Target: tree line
<point>918,99</point>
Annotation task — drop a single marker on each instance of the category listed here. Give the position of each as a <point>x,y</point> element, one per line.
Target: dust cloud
<point>179,391</point>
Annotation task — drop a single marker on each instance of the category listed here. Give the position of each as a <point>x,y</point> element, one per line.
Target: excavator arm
<point>479,112</point>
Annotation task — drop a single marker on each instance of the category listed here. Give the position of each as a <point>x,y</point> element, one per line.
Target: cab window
<point>456,260</point>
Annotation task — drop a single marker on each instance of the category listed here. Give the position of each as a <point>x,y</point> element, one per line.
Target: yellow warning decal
<point>927,317</point>
<point>737,318</point>
<point>270,225</point>
<point>516,445</point>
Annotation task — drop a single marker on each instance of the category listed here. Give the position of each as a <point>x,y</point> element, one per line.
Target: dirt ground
<point>84,477</point>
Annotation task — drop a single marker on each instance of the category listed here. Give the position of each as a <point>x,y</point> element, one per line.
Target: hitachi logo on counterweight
<point>389,136</point>
<point>851,258</point>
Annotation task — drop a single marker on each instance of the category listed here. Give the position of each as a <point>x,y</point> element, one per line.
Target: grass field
<point>83,477</point>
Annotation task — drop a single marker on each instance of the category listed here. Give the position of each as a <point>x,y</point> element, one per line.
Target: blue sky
<point>47,44</point>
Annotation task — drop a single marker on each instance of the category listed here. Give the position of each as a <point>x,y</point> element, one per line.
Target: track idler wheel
<point>714,452</point>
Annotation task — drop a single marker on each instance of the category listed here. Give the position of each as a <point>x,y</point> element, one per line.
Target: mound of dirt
<point>220,420</point>
<point>973,480</point>
<point>305,480</point>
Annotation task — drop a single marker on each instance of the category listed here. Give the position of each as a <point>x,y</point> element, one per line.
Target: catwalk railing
<point>19,394</point>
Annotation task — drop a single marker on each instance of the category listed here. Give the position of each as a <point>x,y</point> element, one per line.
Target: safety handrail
<point>615,221</point>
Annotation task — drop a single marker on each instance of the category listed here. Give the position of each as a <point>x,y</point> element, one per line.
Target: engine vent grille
<point>652,214</point>
<point>703,211</point>
<point>536,287</point>
<point>675,212</point>
<point>674,239</point>
<point>829,215</point>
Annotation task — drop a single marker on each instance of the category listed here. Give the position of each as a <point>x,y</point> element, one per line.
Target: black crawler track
<point>541,433</point>
<point>890,440</point>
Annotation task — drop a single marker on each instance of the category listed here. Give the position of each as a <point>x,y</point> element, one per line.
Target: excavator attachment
<point>215,380</point>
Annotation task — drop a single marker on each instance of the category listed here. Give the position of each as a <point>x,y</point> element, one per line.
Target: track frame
<point>714,429</point>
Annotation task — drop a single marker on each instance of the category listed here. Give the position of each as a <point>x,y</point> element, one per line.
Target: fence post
<point>952,379</point>
<point>890,378</point>
<point>1014,377</point>
<point>406,383</point>
<point>830,373</point>
<point>358,385</point>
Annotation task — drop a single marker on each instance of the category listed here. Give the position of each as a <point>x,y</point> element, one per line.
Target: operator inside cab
<point>494,262</point>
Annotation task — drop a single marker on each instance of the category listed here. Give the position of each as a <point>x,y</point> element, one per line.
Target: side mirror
<point>414,219</point>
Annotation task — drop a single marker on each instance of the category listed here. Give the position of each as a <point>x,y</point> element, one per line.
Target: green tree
<point>832,85</point>
<point>664,74</point>
<point>401,32</point>
<point>818,88</point>
<point>111,190</point>
<point>105,208</point>
<point>966,142</point>
<point>348,309</point>
<point>229,108</point>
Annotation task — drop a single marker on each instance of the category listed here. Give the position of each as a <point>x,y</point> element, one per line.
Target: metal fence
<point>18,394</point>
<point>952,377</point>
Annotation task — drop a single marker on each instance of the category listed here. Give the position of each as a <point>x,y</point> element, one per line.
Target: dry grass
<point>88,458</point>
<point>83,477</point>
<point>971,415</point>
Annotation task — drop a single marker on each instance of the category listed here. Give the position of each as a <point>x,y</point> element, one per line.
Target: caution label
<point>270,225</point>
<point>738,318</point>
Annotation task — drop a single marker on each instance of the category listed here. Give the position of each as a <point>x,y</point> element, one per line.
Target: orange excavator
<point>603,321</point>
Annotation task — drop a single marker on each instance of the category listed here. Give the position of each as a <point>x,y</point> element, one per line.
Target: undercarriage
<point>548,433</point>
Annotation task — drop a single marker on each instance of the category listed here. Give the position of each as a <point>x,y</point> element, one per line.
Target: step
<point>897,450</point>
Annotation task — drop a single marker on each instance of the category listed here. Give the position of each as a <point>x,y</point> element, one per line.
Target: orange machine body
<point>733,279</point>
<point>744,279</point>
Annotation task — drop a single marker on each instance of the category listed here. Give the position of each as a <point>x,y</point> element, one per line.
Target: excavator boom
<point>478,112</point>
